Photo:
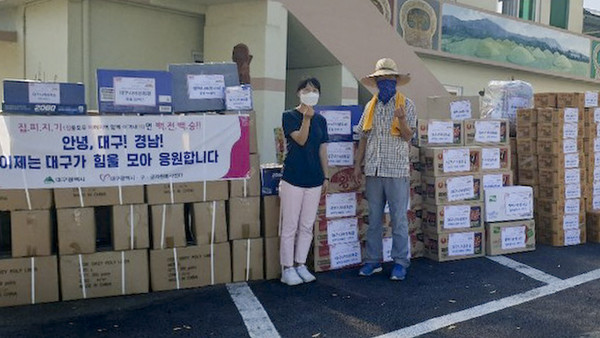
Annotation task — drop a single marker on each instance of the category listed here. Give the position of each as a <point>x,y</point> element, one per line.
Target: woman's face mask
<point>309,98</point>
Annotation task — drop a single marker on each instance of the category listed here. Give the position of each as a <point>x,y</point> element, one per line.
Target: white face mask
<point>309,99</point>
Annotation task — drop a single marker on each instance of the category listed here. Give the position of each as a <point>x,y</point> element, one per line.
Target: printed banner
<point>99,151</point>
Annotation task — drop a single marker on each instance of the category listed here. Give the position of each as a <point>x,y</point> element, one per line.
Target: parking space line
<point>437,323</point>
<point>255,317</point>
<point>525,269</point>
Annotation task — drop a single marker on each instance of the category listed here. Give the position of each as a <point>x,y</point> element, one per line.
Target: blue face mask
<point>387,89</point>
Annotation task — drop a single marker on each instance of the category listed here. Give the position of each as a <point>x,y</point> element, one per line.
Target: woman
<point>304,177</point>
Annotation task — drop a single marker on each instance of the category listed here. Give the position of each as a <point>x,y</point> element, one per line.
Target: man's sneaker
<point>290,277</point>
<point>303,272</point>
<point>398,273</point>
<point>369,269</point>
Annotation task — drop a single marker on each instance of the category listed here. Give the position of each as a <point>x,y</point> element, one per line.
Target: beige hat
<point>385,67</point>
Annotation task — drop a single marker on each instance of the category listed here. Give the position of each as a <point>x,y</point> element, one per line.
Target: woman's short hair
<point>309,81</point>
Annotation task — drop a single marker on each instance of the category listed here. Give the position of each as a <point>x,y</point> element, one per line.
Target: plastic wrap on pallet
<point>503,98</point>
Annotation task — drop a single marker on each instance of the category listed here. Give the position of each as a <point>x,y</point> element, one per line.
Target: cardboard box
<point>270,176</point>
<point>52,98</point>
<point>562,161</point>
<point>244,218</point>
<point>16,199</point>
<point>335,257</point>
<point>560,116</point>
<point>497,179</point>
<point>559,208</point>
<point>247,259</point>
<point>509,237</point>
<point>495,158</point>
<point>210,222</point>
<point>508,204</point>
<point>454,161</point>
<point>134,91</point>
<point>528,162</point>
<point>486,132</point>
<point>339,205</point>
<point>526,116</point>
<point>544,100</point>
<point>247,187</point>
<point>76,231</point>
<point>342,179</point>
<point>272,261</point>
<point>187,192</point>
<point>190,267</point>
<point>549,131</point>
<point>31,233</point>
<point>528,177</point>
<point>576,100</point>
<point>453,107</point>
<point>528,131</point>
<point>436,190</point>
<point>526,147</point>
<point>452,246</point>
<point>94,197</point>
<point>564,237</point>
<point>553,223</point>
<point>561,192</point>
<point>104,274</point>
<point>593,226</point>
<point>17,274</point>
<point>555,177</point>
<point>338,231</point>
<point>591,145</point>
<point>452,218</point>
<point>270,216</point>
<point>130,227</point>
<point>554,147</point>
<point>439,133</point>
<point>168,226</point>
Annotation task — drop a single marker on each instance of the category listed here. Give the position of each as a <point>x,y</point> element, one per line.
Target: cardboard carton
<point>93,197</point>
<point>168,226</point>
<point>526,116</point>
<point>270,216</point>
<point>576,100</point>
<point>451,190</point>
<point>486,132</point>
<point>496,158</point>
<point>210,223</point>
<point>526,147</point>
<point>335,257</point>
<point>560,116</point>
<point>453,107</point>
<point>130,229</point>
<point>270,177</point>
<point>187,192</point>
<point>452,246</point>
<point>247,259</point>
<point>342,179</point>
<point>247,187</point>
<point>528,177</point>
<point>272,262</point>
<point>559,208</point>
<point>76,231</point>
<point>593,226</point>
<point>528,162</point>
<point>528,131</point>
<point>414,154</point>
<point>561,161</point>
<point>244,218</point>
<point>555,147</point>
<point>31,233</point>
<point>549,131</point>
<point>16,199</point>
<point>190,267</point>
<point>337,205</point>
<point>553,223</point>
<point>454,161</point>
<point>564,237</point>
<point>508,204</point>
<point>543,100</point>
<point>104,274</point>
<point>561,192</point>
<point>555,177</point>
<point>453,218</point>
<point>497,179</point>
<point>509,237</point>
<point>439,133</point>
<point>17,275</point>
<point>338,231</point>
<point>5,240</point>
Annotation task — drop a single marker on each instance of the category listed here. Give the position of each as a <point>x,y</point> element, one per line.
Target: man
<point>386,128</point>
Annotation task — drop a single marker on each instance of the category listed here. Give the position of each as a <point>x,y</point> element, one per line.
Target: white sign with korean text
<point>591,99</point>
<point>492,181</point>
<point>134,91</point>
<point>487,131</point>
<point>513,237</point>
<point>340,205</point>
<point>456,160</point>
<point>460,110</point>
<point>490,158</point>
<point>572,206</point>
<point>571,115</point>
<point>387,249</point>
<point>572,237</point>
<point>518,203</point>
<point>572,160</point>
<point>571,221</point>
<point>205,87</point>
<point>461,244</point>
<point>597,115</point>
<point>440,132</point>
<point>457,216</point>
<point>570,131</point>
<point>570,146</point>
<point>573,190</point>
<point>238,98</point>
<point>44,93</point>
<point>342,255</point>
<point>341,231</point>
<point>339,122</point>
<point>460,188</point>
<point>340,153</point>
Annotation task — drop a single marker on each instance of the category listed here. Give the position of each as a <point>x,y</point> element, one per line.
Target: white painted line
<point>255,317</point>
<point>525,269</point>
<point>437,323</point>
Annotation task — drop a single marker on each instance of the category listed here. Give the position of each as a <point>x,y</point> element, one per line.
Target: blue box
<point>201,87</point>
<point>134,91</point>
<point>46,98</point>
<point>270,176</point>
<point>341,121</point>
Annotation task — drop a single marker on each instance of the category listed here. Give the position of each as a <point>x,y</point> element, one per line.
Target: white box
<point>511,203</point>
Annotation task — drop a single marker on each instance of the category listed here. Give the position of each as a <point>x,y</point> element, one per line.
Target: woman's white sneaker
<point>306,276</point>
<point>290,277</point>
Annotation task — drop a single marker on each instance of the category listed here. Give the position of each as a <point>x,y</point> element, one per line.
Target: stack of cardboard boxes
<point>415,209</point>
<point>591,145</point>
<point>527,156</point>
<point>270,217</point>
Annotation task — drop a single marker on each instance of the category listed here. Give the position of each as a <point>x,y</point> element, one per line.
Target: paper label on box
<point>457,216</point>
<point>597,144</point>
<point>598,130</point>
<point>596,160</point>
<point>487,131</point>
<point>518,204</point>
<point>513,237</point>
<point>571,115</point>
<point>571,221</point>
<point>570,131</point>
<point>107,94</point>
<point>573,190</point>
<point>572,160</point>
<point>460,188</point>
<point>387,249</point>
<point>204,87</point>
<point>342,231</point>
<point>591,99</point>
<point>440,132</point>
<point>490,158</point>
<point>340,205</point>
<point>135,91</point>
<point>461,244</point>
<point>44,92</point>
<point>492,181</point>
<point>460,110</point>
<point>456,160</point>
<point>572,176</point>
<point>596,174</point>
<point>572,206</point>
<point>596,202</point>
<point>164,98</point>
<point>572,237</point>
<point>342,255</point>
<point>569,146</point>
<point>339,122</point>
<point>597,115</point>
<point>340,153</point>
<point>596,188</point>
<point>238,98</point>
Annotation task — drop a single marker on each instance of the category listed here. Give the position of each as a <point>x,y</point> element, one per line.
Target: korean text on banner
<point>97,151</point>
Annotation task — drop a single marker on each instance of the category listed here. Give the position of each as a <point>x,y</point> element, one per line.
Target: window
<point>524,9</point>
<point>527,10</point>
<point>559,13</point>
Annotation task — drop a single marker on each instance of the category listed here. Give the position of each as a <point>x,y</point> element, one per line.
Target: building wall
<point>490,5</point>
<point>11,62</point>
<point>576,16</point>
